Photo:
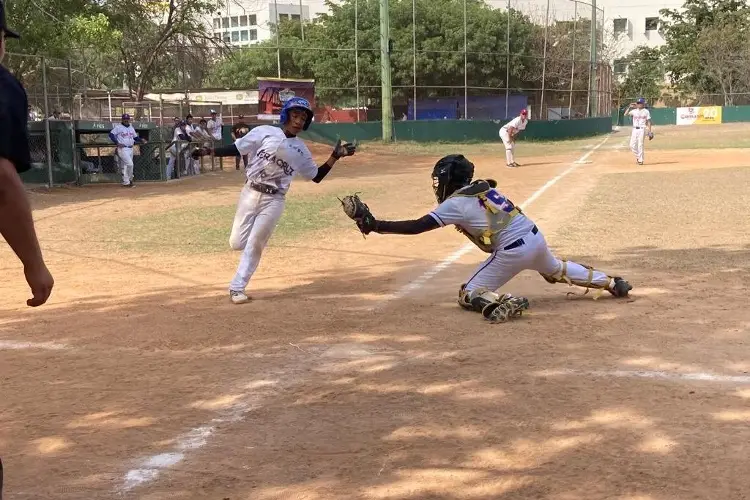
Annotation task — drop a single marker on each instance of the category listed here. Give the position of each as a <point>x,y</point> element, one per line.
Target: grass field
<point>353,374</point>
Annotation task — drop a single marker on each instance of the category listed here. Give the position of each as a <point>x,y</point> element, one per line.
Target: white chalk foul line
<point>448,261</point>
<point>149,468</point>
<point>655,374</point>
<point>13,345</point>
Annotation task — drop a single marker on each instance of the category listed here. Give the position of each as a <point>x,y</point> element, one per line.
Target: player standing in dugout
<point>16,221</point>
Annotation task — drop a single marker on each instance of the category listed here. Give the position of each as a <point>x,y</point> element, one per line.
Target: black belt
<point>638,128</point>
<point>520,241</point>
<point>263,188</point>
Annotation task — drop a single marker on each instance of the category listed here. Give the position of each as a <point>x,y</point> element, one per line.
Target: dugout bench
<point>96,153</point>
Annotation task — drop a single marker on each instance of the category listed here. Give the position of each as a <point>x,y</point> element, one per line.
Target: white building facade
<point>243,22</point>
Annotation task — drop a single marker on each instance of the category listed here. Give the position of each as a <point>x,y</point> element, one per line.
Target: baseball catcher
<point>498,227</point>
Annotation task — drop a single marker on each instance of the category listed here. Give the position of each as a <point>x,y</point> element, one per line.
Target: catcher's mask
<point>451,172</point>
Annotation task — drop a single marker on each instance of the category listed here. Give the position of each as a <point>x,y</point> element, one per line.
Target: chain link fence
<point>477,60</point>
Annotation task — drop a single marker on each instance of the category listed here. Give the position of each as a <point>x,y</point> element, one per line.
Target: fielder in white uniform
<point>125,136</point>
<point>641,119</point>
<point>276,156</point>
<point>494,224</point>
<point>508,134</point>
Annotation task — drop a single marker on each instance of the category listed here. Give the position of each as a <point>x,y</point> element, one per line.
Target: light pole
<point>592,101</point>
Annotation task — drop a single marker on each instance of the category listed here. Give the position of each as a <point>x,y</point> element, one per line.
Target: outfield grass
<point>187,230</point>
<point>723,136</point>
<point>526,148</point>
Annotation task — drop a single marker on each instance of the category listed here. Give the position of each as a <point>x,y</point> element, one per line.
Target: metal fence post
<point>47,138</point>
<point>70,89</point>
<point>507,64</point>
<point>544,63</point>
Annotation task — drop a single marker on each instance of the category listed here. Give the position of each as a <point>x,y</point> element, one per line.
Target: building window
<point>253,20</point>
<point>621,66</point>
<point>235,21</point>
<point>243,36</point>
<point>652,23</point>
<point>253,35</point>
<point>227,38</point>
<point>243,20</point>
<point>295,17</point>
<point>224,22</point>
<point>283,17</point>
<point>217,35</point>
<point>620,26</point>
<point>217,23</point>
<point>235,36</point>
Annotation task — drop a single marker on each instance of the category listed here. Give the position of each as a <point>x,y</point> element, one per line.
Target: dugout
<point>95,152</point>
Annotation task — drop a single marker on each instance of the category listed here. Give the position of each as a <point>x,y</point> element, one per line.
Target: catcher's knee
<point>494,307</point>
<point>477,299</point>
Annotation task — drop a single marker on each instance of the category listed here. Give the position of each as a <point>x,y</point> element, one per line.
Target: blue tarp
<point>480,108</point>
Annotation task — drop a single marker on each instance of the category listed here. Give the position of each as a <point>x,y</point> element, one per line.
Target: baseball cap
<point>126,116</point>
<point>8,32</point>
<point>641,100</point>
<point>524,112</point>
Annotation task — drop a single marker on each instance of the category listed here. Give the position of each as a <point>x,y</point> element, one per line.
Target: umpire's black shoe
<point>621,288</point>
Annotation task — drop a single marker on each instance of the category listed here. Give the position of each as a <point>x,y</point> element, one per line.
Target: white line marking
<point>700,376</point>
<point>11,345</point>
<point>149,468</point>
<point>445,263</point>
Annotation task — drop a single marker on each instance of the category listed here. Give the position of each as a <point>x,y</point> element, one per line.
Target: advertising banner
<point>702,115</point>
<point>274,92</point>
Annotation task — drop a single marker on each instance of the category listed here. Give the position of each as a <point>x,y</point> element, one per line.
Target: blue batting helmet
<point>297,103</point>
<point>125,116</point>
<point>641,100</point>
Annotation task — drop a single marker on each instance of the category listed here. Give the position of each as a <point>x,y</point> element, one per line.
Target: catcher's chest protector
<point>498,210</point>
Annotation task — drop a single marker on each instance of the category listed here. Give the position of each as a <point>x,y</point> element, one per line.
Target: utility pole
<point>385,72</point>
<point>592,73</point>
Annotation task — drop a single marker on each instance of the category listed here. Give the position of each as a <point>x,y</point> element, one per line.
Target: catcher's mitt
<point>650,135</point>
<point>359,212</point>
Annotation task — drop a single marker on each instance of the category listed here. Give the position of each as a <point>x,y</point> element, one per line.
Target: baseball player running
<point>641,119</point>
<point>508,134</point>
<point>124,135</point>
<point>494,224</point>
<point>276,155</point>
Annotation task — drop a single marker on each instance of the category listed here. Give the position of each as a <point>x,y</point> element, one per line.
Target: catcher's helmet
<point>451,172</point>
<point>297,103</point>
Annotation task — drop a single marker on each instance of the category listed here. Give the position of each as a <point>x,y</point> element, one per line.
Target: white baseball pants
<point>254,222</point>
<point>509,146</point>
<point>502,265</point>
<point>126,164</point>
<point>637,137</point>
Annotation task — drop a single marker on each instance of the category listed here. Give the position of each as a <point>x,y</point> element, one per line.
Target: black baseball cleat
<point>621,288</point>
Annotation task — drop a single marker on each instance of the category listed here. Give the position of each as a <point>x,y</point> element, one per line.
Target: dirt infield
<point>353,374</point>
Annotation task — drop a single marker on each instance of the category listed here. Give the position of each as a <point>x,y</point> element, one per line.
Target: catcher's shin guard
<point>615,285</point>
<point>494,308</point>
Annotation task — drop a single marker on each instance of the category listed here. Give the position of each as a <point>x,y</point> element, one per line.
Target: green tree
<point>703,37</point>
<point>645,75</point>
<point>328,55</point>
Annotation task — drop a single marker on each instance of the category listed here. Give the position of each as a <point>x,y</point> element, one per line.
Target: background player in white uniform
<point>276,155</point>
<point>641,119</point>
<point>493,223</point>
<point>508,134</point>
<point>214,126</point>
<point>124,135</point>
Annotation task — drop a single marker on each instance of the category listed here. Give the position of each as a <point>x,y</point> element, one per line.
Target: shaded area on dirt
<point>354,405</point>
